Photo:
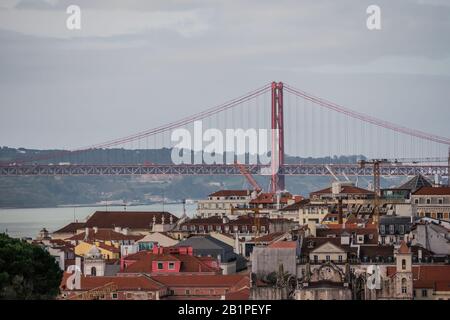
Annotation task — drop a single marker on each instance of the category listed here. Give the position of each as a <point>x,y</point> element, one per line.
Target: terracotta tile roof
<point>429,276</point>
<point>284,245</point>
<point>337,232</point>
<point>104,235</point>
<point>133,283</point>
<point>229,193</point>
<point>242,294</point>
<point>226,281</point>
<point>109,248</point>
<point>143,262</point>
<point>127,219</point>
<point>403,248</point>
<point>270,198</point>
<point>214,220</point>
<point>297,205</point>
<point>430,191</point>
<point>270,237</point>
<point>344,190</point>
<point>71,227</point>
<point>352,226</point>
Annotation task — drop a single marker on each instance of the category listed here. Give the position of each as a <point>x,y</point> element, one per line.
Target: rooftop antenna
<point>163,199</point>
<point>448,168</point>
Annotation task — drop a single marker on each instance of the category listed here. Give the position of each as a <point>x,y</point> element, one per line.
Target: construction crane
<point>249,177</point>
<point>376,163</point>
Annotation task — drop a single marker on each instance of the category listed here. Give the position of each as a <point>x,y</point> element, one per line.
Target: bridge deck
<point>203,169</point>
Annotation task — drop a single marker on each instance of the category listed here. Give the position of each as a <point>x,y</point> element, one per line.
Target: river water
<point>28,222</point>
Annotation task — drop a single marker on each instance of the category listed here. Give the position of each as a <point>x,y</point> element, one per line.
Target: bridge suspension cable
<point>366,118</point>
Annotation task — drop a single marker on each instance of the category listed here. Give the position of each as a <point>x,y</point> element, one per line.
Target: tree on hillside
<point>27,271</point>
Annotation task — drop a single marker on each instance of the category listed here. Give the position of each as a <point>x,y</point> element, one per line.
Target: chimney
<point>86,233</point>
<point>95,229</point>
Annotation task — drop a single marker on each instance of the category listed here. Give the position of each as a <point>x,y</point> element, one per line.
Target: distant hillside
<point>53,191</point>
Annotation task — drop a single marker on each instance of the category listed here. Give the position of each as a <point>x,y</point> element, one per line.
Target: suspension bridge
<point>306,126</point>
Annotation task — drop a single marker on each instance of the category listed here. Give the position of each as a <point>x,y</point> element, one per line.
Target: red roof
<point>403,248</point>
<point>433,191</point>
<point>230,193</point>
<point>428,276</point>
<point>140,282</point>
<point>104,235</point>
<point>242,294</point>
<point>270,197</point>
<point>344,190</point>
<point>284,245</point>
<point>109,248</point>
<point>191,264</point>
<point>270,237</point>
<point>71,227</point>
<point>128,219</point>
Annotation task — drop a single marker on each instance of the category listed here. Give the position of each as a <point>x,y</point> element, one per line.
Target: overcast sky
<point>137,64</point>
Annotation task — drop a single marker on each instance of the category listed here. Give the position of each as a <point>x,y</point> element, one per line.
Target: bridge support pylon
<point>277,153</point>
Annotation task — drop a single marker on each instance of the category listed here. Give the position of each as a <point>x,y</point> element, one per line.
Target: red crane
<point>249,177</point>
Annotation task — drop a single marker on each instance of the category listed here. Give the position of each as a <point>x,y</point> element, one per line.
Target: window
<point>440,216</point>
<point>160,266</point>
<point>328,258</point>
<point>401,229</point>
<point>316,259</point>
<point>340,258</point>
<point>391,229</point>
<point>403,264</point>
<point>382,229</point>
<point>440,201</point>
<point>416,201</point>
<point>114,295</point>
<point>187,292</point>
<point>424,293</point>
<point>171,265</point>
<point>404,286</point>
<point>93,271</point>
<point>428,201</point>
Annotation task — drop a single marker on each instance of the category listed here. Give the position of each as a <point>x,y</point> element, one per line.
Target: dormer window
<point>171,265</point>
<point>160,266</point>
<point>428,201</point>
